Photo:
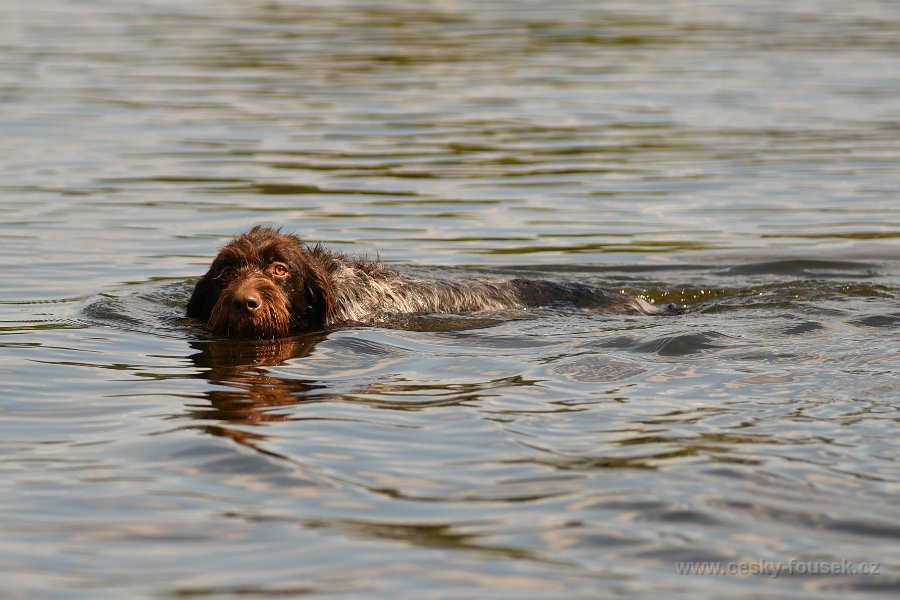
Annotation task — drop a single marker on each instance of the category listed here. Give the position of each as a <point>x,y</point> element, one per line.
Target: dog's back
<point>366,290</point>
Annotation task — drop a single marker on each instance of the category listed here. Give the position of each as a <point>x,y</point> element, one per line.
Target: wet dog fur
<point>267,284</point>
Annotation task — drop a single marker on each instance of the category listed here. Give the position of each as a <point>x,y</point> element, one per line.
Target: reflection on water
<point>738,158</point>
<point>250,395</point>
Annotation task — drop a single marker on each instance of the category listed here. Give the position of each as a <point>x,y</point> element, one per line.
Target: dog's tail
<point>670,309</point>
<point>540,292</point>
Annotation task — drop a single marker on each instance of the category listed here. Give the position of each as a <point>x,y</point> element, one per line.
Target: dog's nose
<point>245,301</point>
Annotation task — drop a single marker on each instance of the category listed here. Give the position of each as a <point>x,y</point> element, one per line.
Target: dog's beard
<point>271,320</point>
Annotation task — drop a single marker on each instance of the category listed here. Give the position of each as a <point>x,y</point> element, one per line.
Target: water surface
<point>741,159</point>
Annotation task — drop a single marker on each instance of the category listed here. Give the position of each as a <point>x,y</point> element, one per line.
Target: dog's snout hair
<point>251,306</point>
<point>267,284</point>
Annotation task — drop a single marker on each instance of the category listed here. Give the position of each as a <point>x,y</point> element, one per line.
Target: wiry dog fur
<point>267,284</point>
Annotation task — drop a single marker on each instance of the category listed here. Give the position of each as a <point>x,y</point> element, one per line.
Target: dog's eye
<point>280,269</point>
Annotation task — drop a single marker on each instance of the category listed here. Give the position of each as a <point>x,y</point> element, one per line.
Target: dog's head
<point>263,284</point>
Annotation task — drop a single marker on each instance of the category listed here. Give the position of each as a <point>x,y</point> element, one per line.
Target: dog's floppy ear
<point>202,300</point>
<point>320,301</point>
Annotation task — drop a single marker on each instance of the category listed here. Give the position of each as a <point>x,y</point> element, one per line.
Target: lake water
<point>739,158</point>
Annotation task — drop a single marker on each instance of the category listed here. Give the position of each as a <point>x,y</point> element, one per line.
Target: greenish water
<point>739,158</point>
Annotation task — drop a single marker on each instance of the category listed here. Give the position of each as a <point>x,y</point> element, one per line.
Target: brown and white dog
<point>267,284</point>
